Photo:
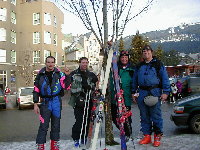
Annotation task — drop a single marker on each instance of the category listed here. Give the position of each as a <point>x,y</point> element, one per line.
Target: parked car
<point>24,97</point>
<point>187,112</point>
<point>2,99</point>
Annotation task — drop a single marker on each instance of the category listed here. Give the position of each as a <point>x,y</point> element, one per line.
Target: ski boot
<point>146,139</point>
<point>54,145</point>
<point>40,146</point>
<point>76,144</point>
<point>157,139</point>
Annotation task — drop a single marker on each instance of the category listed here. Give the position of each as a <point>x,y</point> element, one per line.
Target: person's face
<point>84,64</point>
<point>124,60</point>
<point>50,64</point>
<point>147,54</point>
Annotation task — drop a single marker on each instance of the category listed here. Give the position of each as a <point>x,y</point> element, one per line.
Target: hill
<point>184,38</point>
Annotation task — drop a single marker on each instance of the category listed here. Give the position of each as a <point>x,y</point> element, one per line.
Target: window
<point>13,37</point>
<point>2,55</point>
<point>36,18</point>
<point>46,54</point>
<point>3,12</point>
<point>55,21</point>
<point>36,37</point>
<point>63,59</point>
<point>55,39</point>
<point>2,34</point>
<point>13,17</point>
<point>55,55</point>
<point>13,56</point>
<point>13,2</point>
<point>47,37</point>
<point>47,18</point>
<point>36,56</point>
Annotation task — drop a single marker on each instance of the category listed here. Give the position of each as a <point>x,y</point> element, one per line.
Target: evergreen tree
<point>121,44</point>
<point>138,42</point>
<point>171,58</point>
<point>159,53</point>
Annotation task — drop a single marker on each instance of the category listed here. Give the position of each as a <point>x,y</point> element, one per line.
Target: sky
<point>161,15</point>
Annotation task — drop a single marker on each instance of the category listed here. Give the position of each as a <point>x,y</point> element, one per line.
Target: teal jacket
<point>125,75</point>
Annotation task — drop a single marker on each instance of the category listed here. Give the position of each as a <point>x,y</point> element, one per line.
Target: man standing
<point>82,87</point>
<point>48,86</point>
<point>151,81</point>
<point>125,71</point>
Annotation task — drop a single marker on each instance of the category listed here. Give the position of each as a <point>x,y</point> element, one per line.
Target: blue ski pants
<point>151,117</point>
<point>55,126</point>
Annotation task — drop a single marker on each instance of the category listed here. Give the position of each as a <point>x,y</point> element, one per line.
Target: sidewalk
<point>179,142</point>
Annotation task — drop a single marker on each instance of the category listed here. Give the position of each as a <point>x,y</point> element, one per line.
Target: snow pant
<point>55,126</point>
<point>151,117</point>
<point>127,125</point>
<point>81,125</point>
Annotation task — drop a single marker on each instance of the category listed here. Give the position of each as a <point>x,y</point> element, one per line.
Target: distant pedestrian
<point>151,81</point>
<point>174,91</point>
<point>48,86</point>
<point>7,91</point>
<point>179,85</point>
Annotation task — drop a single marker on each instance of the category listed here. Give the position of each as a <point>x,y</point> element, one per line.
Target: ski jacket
<point>50,94</point>
<point>146,77</point>
<point>179,86</point>
<point>125,75</point>
<point>81,82</point>
<point>174,89</point>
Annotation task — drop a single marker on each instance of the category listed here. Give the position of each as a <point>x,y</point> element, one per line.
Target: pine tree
<point>138,42</point>
<point>121,44</point>
<point>159,53</point>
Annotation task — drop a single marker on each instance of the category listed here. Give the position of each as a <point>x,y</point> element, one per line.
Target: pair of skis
<point>122,113</point>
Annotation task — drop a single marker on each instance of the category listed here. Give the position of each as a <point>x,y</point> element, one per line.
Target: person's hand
<point>164,97</point>
<point>36,108</point>
<point>67,72</point>
<point>134,97</point>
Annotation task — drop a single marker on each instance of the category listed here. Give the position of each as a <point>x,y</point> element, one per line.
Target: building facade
<point>30,30</point>
<point>84,46</point>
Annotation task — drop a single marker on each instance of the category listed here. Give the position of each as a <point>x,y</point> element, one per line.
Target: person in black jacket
<point>82,87</point>
<point>48,86</point>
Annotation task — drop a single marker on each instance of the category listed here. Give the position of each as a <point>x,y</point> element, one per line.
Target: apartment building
<point>84,46</point>
<point>30,30</point>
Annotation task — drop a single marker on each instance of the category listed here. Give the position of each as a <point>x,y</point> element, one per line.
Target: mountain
<point>184,38</point>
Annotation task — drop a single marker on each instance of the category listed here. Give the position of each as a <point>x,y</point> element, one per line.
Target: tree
<point>171,58</point>
<point>95,15</point>
<point>159,53</point>
<point>121,44</point>
<point>138,42</point>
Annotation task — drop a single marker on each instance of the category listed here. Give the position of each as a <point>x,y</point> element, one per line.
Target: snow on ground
<point>179,142</point>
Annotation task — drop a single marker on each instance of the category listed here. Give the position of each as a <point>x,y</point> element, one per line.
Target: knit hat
<point>147,47</point>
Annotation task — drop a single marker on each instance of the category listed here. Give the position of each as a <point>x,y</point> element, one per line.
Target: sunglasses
<point>124,52</point>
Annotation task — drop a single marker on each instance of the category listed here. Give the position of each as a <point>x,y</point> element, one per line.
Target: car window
<point>1,93</point>
<point>27,91</point>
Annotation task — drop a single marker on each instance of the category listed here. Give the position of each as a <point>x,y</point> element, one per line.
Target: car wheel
<point>4,106</point>
<point>195,123</point>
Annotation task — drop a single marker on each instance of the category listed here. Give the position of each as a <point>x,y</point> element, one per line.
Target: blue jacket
<point>50,93</point>
<point>147,76</point>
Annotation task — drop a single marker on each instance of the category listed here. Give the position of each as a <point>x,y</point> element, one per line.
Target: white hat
<point>150,100</point>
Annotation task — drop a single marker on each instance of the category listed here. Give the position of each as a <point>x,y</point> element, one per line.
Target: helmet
<point>150,100</point>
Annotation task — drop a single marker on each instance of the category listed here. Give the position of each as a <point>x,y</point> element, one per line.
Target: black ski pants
<point>55,126</point>
<point>82,122</point>
<point>127,125</point>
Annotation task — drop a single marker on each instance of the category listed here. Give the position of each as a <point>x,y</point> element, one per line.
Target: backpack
<point>156,64</point>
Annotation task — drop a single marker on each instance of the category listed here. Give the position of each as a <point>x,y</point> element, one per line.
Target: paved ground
<point>181,142</point>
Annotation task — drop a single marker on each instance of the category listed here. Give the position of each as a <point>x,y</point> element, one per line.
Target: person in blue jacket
<point>151,81</point>
<point>49,86</point>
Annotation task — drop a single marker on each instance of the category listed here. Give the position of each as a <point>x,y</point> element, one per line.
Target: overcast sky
<point>161,15</point>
